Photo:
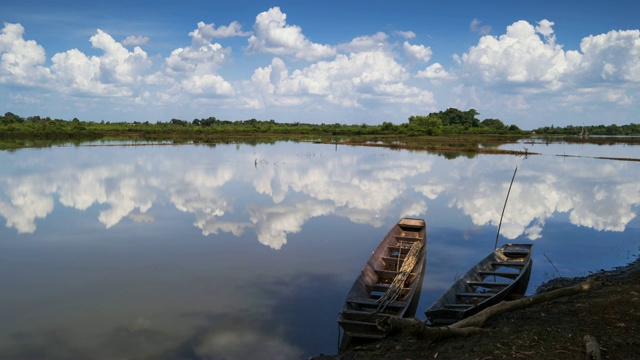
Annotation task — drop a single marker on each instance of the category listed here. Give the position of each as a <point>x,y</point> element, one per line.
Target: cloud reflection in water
<point>358,184</point>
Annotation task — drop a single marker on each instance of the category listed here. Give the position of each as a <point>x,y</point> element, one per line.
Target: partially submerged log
<point>473,324</point>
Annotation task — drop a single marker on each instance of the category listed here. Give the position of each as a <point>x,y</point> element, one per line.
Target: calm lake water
<point>248,252</point>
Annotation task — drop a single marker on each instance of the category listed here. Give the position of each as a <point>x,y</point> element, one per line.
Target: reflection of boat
<point>502,275</point>
<point>390,282</point>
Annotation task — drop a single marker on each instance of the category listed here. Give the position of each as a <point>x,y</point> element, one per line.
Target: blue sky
<point>535,64</point>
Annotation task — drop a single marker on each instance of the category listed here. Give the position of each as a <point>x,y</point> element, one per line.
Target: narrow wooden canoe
<point>502,275</point>
<point>389,283</point>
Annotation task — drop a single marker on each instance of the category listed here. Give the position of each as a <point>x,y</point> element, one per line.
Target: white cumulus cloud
<point>363,43</point>
<point>209,31</point>
<point>519,56</point>
<point>274,36</point>
<point>527,67</point>
<point>135,40</point>
<point>119,65</point>
<point>406,34</point>
<point>612,57</point>
<point>110,74</point>
<point>528,54</point>
<point>417,52</point>
<point>21,61</point>
<point>194,69</point>
<point>434,72</point>
<point>545,28</point>
<point>348,81</point>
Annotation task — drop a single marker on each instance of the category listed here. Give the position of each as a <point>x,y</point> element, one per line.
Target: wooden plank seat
<point>459,306</point>
<point>508,263</point>
<point>515,252</point>
<point>482,295</point>
<point>399,249</point>
<point>487,284</point>
<point>408,239</point>
<point>511,275</point>
<point>386,274</point>
<point>393,261</point>
<point>395,255</point>
<point>359,315</point>
<point>384,288</point>
<point>375,303</point>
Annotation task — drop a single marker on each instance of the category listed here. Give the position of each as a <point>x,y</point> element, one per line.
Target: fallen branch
<point>420,329</point>
<point>481,318</point>
<point>473,324</point>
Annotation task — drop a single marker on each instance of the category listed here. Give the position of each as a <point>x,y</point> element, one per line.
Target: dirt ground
<point>551,330</point>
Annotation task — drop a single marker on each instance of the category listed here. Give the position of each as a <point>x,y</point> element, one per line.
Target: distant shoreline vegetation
<point>449,122</point>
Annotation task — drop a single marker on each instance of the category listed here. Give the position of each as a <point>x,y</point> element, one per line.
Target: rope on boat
<point>395,289</point>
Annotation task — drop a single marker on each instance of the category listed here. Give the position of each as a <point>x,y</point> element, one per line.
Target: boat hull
<point>368,299</point>
<point>502,275</point>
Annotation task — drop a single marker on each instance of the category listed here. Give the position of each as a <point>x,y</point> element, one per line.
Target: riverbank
<point>551,330</point>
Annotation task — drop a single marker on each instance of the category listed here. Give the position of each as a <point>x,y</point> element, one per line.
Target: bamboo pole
<point>495,246</point>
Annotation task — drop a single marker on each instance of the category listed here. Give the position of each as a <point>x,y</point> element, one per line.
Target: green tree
<point>387,127</point>
<point>179,122</point>
<point>493,124</point>
<point>11,118</point>
<point>453,116</point>
<point>430,124</point>
<point>433,125</point>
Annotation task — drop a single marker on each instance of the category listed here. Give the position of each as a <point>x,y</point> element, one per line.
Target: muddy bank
<point>552,330</point>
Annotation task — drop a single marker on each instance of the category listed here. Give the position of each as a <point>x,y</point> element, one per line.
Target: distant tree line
<point>14,126</point>
<point>449,122</point>
<point>606,130</point>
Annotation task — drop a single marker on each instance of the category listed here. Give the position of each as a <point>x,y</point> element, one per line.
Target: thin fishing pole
<point>495,246</point>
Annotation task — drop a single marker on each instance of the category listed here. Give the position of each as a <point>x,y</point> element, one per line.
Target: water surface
<point>239,251</point>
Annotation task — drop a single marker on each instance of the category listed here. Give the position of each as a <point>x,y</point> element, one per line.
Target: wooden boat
<point>502,275</point>
<point>389,283</point>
